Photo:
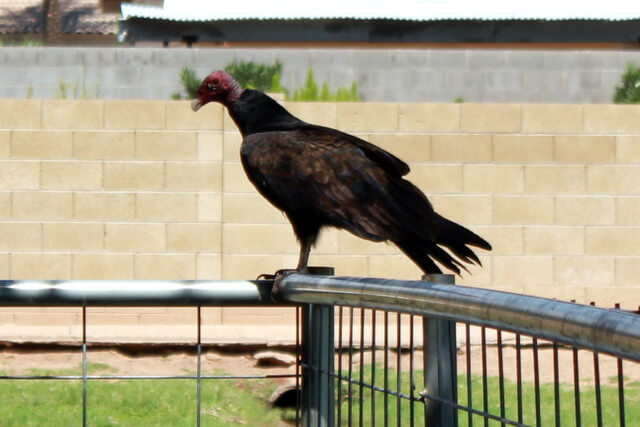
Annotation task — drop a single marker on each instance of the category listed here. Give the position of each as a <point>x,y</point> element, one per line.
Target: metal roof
<point>413,10</point>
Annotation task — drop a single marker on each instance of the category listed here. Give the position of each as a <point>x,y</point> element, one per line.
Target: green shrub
<point>262,77</point>
<point>310,92</point>
<point>190,84</point>
<point>628,92</point>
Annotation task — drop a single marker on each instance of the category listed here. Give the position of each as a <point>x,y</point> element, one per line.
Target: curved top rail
<point>609,331</point>
<point>140,293</point>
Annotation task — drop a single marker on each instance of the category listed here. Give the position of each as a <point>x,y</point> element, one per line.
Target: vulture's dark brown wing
<point>312,172</point>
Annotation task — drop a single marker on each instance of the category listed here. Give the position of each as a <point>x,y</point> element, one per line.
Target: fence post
<point>440,378</point>
<point>318,401</point>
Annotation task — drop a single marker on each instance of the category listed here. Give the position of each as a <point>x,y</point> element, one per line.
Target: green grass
<point>243,402</point>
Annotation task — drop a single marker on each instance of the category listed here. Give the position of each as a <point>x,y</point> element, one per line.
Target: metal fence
<point>388,352</point>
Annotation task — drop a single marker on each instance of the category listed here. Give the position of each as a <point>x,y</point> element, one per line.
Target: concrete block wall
<point>388,75</point>
<point>107,189</point>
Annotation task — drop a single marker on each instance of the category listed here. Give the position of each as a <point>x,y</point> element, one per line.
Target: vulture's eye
<point>216,81</point>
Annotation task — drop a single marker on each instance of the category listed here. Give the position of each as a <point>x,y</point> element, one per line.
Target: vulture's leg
<point>303,260</point>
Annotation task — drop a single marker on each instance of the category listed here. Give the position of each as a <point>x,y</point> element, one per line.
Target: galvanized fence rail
<point>392,356</point>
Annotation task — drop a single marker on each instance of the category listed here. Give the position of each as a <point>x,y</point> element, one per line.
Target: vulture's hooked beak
<point>195,104</point>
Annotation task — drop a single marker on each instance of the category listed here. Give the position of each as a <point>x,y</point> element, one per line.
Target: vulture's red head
<point>218,86</point>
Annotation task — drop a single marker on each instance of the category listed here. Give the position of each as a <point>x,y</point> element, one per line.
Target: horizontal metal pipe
<point>608,331</point>
<point>139,293</point>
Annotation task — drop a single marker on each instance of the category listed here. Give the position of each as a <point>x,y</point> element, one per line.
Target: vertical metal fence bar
<point>318,344</point>
<point>519,376</point>
<point>84,366</point>
<point>386,368</point>
<point>399,370</point>
<point>576,387</point>
<point>536,380</point>
<point>350,383</point>
<point>373,367</point>
<point>412,384</point>
<point>556,384</point>
<point>361,391</point>
<point>467,331</point>
<point>596,380</point>
<point>298,356</point>
<point>199,366</point>
<point>441,364</point>
<point>485,388</point>
<point>339,416</point>
<point>623,420</point>
<point>501,376</point>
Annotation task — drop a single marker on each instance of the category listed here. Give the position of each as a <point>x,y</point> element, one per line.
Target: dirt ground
<point>106,361</point>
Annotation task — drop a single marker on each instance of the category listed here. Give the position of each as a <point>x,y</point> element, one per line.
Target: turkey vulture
<point>320,177</point>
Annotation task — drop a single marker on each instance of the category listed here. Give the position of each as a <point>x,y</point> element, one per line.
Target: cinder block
<point>210,146</point>
<point>231,149</point>
<point>4,268</point>
<point>393,267</point>
<point>165,266</point>
<point>19,175</point>
<point>411,148</point>
<point>627,210</point>
<point>523,210</point>
<point>209,207</point>
<point>608,179</point>
<point>556,179</point>
<point>5,205</point>
<point>71,175</point>
<point>490,117</point>
<point>180,116</point>
<point>166,145</point>
<point>319,113</point>
<point>505,240</point>
<point>20,236</point>
<point>587,210</point>
<point>437,178</point>
<point>343,265</point>
<point>608,296</point>
<point>209,266</point>
<point>40,266</point>
<point>478,275</point>
<point>72,236</point>
<point>611,119</point>
<point>612,240</point>
<point>628,273</point>
<point>135,237</point>
<point>103,266</point>
<point>134,114</point>
<point>234,179</point>
<point>522,148</point>
<point>20,113</point>
<point>5,144</point>
<point>353,245</point>
<point>72,114</point>
<point>466,210</point>
<point>553,240</point>
<point>552,118</point>
<point>194,237</point>
<point>42,205</point>
<point>104,206</point>
<point>418,117</point>
<point>103,145</point>
<point>248,267</point>
<point>253,238</point>
<point>461,148</point>
<point>40,144</point>
<point>584,271</point>
<point>628,149</point>
<point>133,175</point>
<point>166,207</point>
<point>192,176</point>
<point>493,179</point>
<point>367,117</point>
<point>524,270</point>
<point>584,149</point>
<point>247,208</point>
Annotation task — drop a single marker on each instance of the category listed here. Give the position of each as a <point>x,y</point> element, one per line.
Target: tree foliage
<point>628,92</point>
<point>262,77</point>
<point>310,91</point>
